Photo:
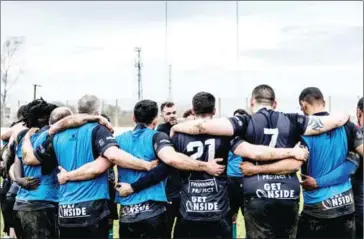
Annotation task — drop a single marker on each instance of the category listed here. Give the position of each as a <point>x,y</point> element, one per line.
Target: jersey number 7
<point>274,133</point>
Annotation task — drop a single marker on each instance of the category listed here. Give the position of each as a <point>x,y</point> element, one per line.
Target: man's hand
<point>172,132</point>
<point>215,169</point>
<point>248,169</point>
<point>300,153</point>
<point>153,164</point>
<point>29,183</point>
<point>62,175</point>
<point>309,183</point>
<point>107,124</point>
<point>78,120</point>
<point>124,189</point>
<point>31,132</point>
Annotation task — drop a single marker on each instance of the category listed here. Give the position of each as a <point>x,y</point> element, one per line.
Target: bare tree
<point>10,69</point>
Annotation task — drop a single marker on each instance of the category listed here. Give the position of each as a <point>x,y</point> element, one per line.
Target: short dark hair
<point>145,111</point>
<point>240,112</point>
<point>264,94</point>
<point>360,104</point>
<point>311,95</point>
<point>167,104</point>
<point>106,117</point>
<point>20,112</point>
<point>203,103</point>
<point>187,113</point>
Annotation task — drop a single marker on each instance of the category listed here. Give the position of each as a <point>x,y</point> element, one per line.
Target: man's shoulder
<point>161,126</point>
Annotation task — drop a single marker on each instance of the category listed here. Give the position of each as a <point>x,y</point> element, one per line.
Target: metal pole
<point>219,107</point>
<point>138,65</point>
<point>170,83</point>
<point>116,115</point>
<point>167,72</point>
<point>330,104</point>
<point>237,49</point>
<point>35,90</point>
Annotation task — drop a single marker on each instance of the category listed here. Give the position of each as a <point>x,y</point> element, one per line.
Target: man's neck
<point>151,126</point>
<point>204,117</point>
<point>256,108</point>
<point>318,109</point>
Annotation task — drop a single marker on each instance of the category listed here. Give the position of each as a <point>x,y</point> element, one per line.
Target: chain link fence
<point>120,110</point>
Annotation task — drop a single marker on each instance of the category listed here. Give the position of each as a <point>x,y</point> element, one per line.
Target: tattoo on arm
<point>315,123</point>
<point>200,127</point>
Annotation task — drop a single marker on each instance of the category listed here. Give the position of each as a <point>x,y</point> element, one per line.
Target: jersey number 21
<point>210,143</point>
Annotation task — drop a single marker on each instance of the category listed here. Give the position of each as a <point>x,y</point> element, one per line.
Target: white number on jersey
<point>274,133</point>
<point>210,143</point>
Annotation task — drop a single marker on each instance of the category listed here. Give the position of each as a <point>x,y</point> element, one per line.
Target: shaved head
<point>58,114</point>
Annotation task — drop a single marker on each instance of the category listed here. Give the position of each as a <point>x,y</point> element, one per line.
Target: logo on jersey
<point>71,211</point>
<point>339,200</point>
<point>198,202</point>
<point>275,190</point>
<point>134,209</point>
<point>165,141</point>
<point>359,135</point>
<point>101,142</point>
<point>202,186</point>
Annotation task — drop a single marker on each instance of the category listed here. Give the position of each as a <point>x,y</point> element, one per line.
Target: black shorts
<point>39,223</point>
<point>111,203</point>
<point>172,213</point>
<point>100,230</point>
<point>358,199</point>
<point>203,229</point>
<point>10,217</point>
<point>271,218</point>
<point>154,227</point>
<point>236,194</point>
<point>339,227</point>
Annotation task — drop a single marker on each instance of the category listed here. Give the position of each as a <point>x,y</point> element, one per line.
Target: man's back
<point>279,130</point>
<point>203,197</point>
<point>74,148</point>
<point>139,143</point>
<point>327,152</point>
<point>48,188</point>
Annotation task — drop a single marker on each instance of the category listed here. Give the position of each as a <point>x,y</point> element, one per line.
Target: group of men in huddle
<point>185,179</point>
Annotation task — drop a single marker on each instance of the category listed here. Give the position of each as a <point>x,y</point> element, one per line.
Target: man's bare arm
<point>27,150</point>
<point>5,136</point>
<point>180,161</point>
<point>77,120</point>
<point>282,167</point>
<point>17,169</point>
<point>11,173</point>
<point>126,160</point>
<point>360,150</point>
<point>85,172</point>
<point>320,124</point>
<point>219,127</point>
<point>265,153</point>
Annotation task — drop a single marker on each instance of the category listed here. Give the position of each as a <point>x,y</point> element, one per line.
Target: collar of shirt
<point>324,113</point>
<point>140,126</point>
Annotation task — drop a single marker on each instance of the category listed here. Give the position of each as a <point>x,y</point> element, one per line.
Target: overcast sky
<point>73,48</point>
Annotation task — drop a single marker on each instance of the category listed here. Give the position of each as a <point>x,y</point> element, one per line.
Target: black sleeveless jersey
<point>273,129</point>
<point>203,197</point>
